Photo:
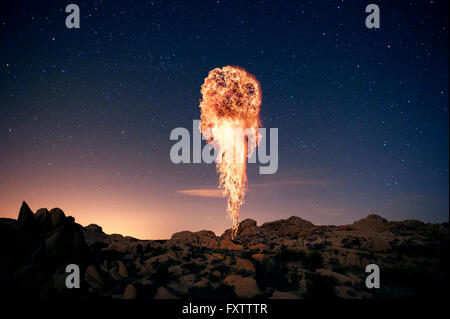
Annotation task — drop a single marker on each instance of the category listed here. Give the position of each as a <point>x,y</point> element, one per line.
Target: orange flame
<point>231,100</point>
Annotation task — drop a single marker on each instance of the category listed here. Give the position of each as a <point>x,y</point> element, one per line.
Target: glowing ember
<point>231,99</point>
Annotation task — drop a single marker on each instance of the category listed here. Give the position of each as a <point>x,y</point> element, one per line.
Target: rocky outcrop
<point>291,226</point>
<point>94,234</point>
<point>57,217</point>
<point>372,222</point>
<point>26,217</point>
<point>43,220</point>
<point>284,259</point>
<point>40,243</point>
<point>203,238</point>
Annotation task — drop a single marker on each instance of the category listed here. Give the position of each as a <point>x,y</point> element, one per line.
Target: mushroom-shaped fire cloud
<point>230,105</point>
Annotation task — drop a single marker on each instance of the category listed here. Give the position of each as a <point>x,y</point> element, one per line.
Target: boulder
<point>207,239</point>
<point>130,292</point>
<point>183,237</point>
<point>94,228</point>
<point>163,293</point>
<point>57,217</point>
<point>244,264</point>
<point>247,223</point>
<point>244,287</point>
<point>120,245</point>
<point>227,244</point>
<point>247,226</point>
<point>258,257</point>
<point>379,244</point>
<point>292,226</point>
<point>123,272</point>
<point>65,243</point>
<point>26,217</point>
<point>93,277</point>
<point>43,220</point>
<point>114,273</point>
<point>94,234</point>
<point>203,238</point>
<point>372,222</point>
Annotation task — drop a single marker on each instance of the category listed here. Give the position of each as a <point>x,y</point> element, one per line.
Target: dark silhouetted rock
<point>123,272</point>
<point>57,217</point>
<point>26,217</point>
<point>93,234</point>
<point>66,244</point>
<point>93,278</point>
<point>33,251</point>
<point>94,228</point>
<point>16,244</point>
<point>43,220</point>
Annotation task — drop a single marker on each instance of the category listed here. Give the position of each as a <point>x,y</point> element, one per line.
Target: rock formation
<point>287,259</point>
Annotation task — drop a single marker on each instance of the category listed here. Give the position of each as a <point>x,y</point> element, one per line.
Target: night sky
<point>86,114</point>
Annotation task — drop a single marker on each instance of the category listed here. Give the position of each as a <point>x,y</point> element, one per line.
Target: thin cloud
<point>217,193</point>
<point>204,192</point>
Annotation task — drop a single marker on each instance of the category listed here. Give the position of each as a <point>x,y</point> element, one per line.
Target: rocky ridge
<point>287,259</point>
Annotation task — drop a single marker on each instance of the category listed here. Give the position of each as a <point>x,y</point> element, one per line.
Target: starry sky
<point>86,114</point>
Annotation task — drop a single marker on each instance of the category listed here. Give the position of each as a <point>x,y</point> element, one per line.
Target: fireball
<point>230,105</point>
